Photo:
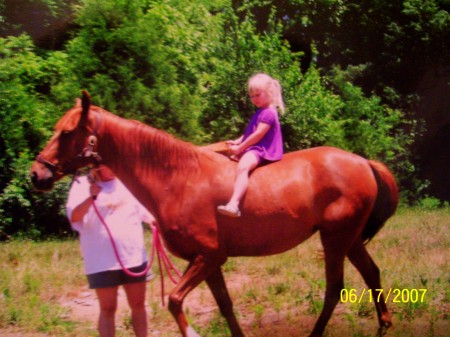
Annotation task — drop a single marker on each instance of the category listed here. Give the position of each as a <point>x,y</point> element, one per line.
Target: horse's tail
<point>385,203</point>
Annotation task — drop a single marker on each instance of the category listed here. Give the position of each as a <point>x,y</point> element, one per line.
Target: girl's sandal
<point>229,211</point>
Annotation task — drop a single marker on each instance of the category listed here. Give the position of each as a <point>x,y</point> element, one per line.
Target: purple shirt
<point>270,147</point>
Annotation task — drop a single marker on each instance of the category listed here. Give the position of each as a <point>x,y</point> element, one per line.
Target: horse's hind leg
<point>218,287</point>
<point>334,271</point>
<point>362,261</point>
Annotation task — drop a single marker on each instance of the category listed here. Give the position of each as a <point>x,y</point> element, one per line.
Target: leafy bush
<point>375,130</point>
<point>144,62</point>
<point>313,115</point>
<point>431,203</point>
<point>239,54</point>
<point>183,67</point>
<point>27,121</point>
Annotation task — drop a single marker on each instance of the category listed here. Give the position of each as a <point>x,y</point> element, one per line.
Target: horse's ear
<point>85,103</point>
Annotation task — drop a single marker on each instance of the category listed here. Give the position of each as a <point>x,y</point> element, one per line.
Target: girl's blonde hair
<point>264,82</point>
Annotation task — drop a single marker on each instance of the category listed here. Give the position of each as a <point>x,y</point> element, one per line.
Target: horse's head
<point>72,146</point>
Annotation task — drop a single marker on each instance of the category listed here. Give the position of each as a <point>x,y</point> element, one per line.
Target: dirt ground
<point>82,306</point>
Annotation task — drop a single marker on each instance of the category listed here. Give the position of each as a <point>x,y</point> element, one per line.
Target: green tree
<point>25,127</point>
<point>145,60</point>
<point>48,22</point>
<point>397,40</point>
<point>183,66</point>
<point>240,53</point>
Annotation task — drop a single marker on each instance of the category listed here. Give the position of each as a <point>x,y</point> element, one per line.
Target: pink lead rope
<point>156,246</point>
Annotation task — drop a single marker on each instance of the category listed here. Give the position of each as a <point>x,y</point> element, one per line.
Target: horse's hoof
<point>382,330</point>
<point>191,332</point>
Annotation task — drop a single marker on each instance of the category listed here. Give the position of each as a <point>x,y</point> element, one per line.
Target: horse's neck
<point>147,160</point>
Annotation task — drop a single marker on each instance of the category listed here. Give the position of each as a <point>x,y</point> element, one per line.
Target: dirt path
<point>82,306</point>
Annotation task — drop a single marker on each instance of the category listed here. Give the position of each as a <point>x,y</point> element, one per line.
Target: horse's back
<point>308,190</point>
<point>326,166</point>
<point>305,177</point>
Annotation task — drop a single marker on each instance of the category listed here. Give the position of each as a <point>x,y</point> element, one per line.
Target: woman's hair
<point>264,82</point>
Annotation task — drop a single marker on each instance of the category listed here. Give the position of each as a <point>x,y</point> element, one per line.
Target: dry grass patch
<point>44,292</point>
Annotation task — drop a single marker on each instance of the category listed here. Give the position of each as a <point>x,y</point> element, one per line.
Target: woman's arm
<point>80,211</point>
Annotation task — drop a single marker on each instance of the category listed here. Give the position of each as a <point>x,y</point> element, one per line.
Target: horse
<point>343,196</point>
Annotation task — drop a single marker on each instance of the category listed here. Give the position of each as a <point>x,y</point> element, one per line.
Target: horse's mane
<point>150,145</point>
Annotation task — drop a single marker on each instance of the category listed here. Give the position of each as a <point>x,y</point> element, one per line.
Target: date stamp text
<point>394,295</point>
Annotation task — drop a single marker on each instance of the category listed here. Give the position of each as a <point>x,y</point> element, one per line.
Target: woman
<point>124,216</point>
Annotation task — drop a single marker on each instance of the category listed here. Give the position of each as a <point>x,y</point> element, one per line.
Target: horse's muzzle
<point>41,177</point>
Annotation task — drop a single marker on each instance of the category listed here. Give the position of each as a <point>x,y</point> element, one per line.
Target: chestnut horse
<point>344,197</point>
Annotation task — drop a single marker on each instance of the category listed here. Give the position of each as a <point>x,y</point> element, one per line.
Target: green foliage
<point>240,53</point>
<point>26,125</point>
<point>431,203</point>
<point>313,117</point>
<point>183,66</point>
<point>145,62</point>
<point>397,39</point>
<point>372,128</point>
<point>37,18</point>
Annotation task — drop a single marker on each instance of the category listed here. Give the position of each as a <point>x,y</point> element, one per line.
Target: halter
<point>87,152</point>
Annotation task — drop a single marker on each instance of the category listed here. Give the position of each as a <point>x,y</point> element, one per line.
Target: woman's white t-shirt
<point>124,216</point>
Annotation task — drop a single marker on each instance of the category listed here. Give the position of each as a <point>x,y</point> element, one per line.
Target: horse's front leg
<point>196,272</point>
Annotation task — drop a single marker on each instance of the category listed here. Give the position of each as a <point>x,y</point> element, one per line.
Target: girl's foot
<point>229,210</point>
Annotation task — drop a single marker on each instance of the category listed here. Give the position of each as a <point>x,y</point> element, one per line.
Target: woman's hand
<point>94,190</point>
<point>80,211</point>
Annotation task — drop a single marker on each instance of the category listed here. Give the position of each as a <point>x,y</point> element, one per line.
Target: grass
<point>32,277</point>
<point>273,296</point>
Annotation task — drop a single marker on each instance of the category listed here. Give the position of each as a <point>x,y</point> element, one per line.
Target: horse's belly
<point>267,238</point>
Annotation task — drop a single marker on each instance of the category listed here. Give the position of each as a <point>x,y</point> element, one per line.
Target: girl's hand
<point>235,141</point>
<point>235,150</point>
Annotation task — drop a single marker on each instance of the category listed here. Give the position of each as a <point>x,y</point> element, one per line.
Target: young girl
<point>261,142</point>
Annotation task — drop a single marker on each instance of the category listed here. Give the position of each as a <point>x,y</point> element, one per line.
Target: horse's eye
<point>64,135</point>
